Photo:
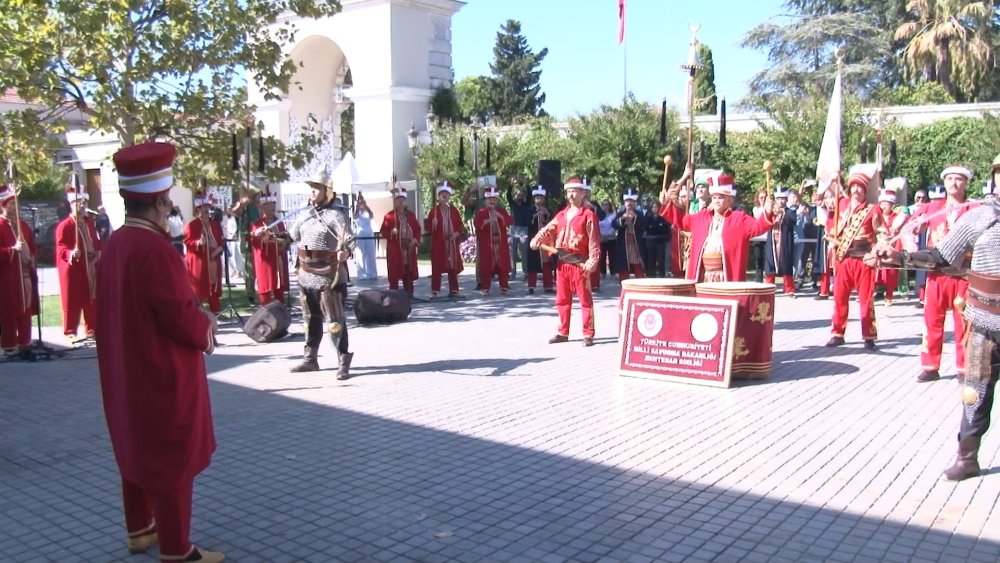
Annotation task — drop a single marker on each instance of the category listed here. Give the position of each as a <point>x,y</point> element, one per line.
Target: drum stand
<point>229,310</point>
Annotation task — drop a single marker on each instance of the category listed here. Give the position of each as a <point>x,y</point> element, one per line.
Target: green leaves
<point>170,69</point>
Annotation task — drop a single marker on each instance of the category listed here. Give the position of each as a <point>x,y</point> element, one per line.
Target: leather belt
<point>984,301</point>
<point>984,284</point>
<point>318,262</point>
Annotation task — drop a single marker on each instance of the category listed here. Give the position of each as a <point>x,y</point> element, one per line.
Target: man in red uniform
<point>444,224</point>
<point>18,278</point>
<point>270,252</point>
<point>860,226</point>
<point>493,249</point>
<point>894,220</point>
<point>535,260</point>
<point>944,293</point>
<point>401,231</point>
<point>573,231</point>
<point>77,251</point>
<point>151,338</point>
<point>204,243</point>
<point>720,235</point>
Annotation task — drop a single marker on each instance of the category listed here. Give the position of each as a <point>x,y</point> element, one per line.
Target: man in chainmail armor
<point>325,241</point>
<point>978,230</point>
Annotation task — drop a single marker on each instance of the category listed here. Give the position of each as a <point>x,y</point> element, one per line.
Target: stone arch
<point>398,52</point>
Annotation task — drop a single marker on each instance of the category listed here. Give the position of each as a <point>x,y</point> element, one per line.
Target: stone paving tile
<point>463,421</point>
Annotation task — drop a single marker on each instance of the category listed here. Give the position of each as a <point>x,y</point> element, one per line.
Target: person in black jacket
<point>657,239</point>
<point>630,245</point>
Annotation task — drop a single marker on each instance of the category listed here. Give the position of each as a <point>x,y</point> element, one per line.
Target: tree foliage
<point>948,43</point>
<point>885,44</point>
<point>473,96</point>
<point>705,97</point>
<point>162,69</point>
<point>515,91</point>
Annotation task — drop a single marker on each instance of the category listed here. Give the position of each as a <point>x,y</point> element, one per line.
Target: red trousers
<point>632,269</point>
<point>890,279</point>
<point>71,318</point>
<point>407,284</point>
<point>788,281</point>
<point>824,283</point>
<point>452,281</point>
<point>276,295</point>
<point>169,511</point>
<point>546,278</point>
<point>853,274</point>
<point>569,280</point>
<point>15,328</point>
<point>487,278</point>
<point>943,293</point>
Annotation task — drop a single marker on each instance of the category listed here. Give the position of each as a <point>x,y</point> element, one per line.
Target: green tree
<point>948,43</point>
<point>515,91</point>
<point>167,70</point>
<point>444,104</point>
<point>926,149</point>
<point>28,142</point>
<point>801,46</point>
<point>705,99</point>
<point>473,95</point>
<point>616,147</point>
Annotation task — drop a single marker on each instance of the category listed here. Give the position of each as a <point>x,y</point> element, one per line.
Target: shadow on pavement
<point>294,481</point>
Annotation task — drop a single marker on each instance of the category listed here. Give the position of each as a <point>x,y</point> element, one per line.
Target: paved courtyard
<point>464,436</point>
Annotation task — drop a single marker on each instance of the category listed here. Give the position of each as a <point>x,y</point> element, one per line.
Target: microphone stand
<point>38,349</point>
<point>229,309</point>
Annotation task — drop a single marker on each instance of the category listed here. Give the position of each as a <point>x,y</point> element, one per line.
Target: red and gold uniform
<point>401,231</point>
<point>574,230</point>
<point>77,252</point>
<point>944,293</point>
<point>720,243</point>
<point>860,227</point>
<point>493,249</point>
<point>444,224</point>
<point>18,278</point>
<point>894,219</point>
<point>152,336</point>
<point>270,256</point>
<point>204,242</point>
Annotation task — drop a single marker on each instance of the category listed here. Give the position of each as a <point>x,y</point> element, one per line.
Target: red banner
<point>675,338</point>
<point>621,21</point>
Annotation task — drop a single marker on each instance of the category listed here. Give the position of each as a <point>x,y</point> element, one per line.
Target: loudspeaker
<point>550,178</point>
<point>383,306</point>
<point>268,323</point>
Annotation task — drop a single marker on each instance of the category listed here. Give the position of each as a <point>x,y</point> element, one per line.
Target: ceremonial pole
<point>692,66</point>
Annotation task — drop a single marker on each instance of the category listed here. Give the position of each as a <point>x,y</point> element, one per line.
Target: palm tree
<point>948,44</point>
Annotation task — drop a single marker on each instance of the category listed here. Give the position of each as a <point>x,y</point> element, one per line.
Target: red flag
<point>621,21</point>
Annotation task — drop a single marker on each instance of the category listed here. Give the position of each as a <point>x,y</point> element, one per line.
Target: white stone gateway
<point>398,52</point>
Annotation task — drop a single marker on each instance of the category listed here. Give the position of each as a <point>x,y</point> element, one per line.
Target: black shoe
<point>558,338</point>
<point>588,342</point>
<point>531,291</point>
<point>835,341</point>
<point>870,345</point>
<point>822,297</point>
<point>928,375</point>
<point>920,305</point>
<point>305,366</point>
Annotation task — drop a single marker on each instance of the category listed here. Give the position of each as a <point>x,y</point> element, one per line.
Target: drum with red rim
<point>752,352</point>
<point>658,286</point>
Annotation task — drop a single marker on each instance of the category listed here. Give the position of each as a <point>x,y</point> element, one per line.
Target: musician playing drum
<point>325,241</point>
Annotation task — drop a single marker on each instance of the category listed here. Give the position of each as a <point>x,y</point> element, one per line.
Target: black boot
<point>345,366</point>
<point>967,462</point>
<point>309,362</point>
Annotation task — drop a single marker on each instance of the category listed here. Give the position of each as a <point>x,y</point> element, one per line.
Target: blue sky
<point>585,62</point>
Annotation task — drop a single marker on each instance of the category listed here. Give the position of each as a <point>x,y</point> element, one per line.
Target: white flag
<point>828,165</point>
